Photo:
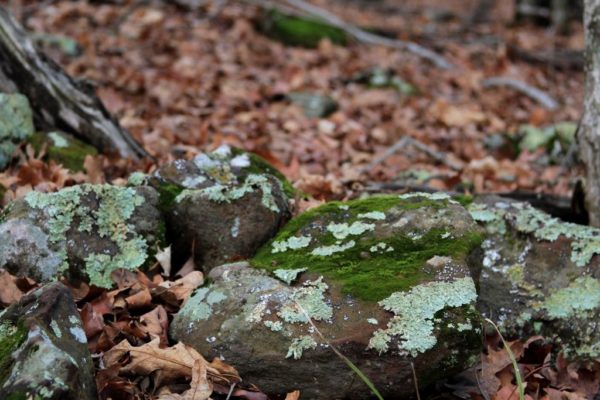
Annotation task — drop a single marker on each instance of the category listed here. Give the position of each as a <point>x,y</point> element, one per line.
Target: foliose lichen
<point>414,311</point>
<point>585,240</point>
<point>299,345</point>
<point>288,275</point>
<point>307,301</point>
<point>66,210</point>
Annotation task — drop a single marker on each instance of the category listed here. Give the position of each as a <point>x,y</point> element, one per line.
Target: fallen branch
<point>58,101</point>
<point>536,94</point>
<point>409,141</point>
<point>367,37</point>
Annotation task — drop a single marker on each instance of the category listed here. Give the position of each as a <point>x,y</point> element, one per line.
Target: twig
<point>405,141</point>
<point>367,37</point>
<point>538,95</point>
<point>412,366</point>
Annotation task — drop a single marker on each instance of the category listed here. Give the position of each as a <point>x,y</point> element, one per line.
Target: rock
<point>378,78</point>
<point>43,348</point>
<point>314,105</point>
<point>16,124</point>
<point>385,280</point>
<point>80,232</point>
<point>300,31</point>
<point>63,149</point>
<point>226,203</point>
<point>540,275</point>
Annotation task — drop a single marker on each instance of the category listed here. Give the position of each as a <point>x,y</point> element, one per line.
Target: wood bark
<point>58,101</point>
<point>589,132</point>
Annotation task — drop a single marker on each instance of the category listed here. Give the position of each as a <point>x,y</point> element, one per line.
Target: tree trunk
<point>589,132</point>
<point>58,101</point>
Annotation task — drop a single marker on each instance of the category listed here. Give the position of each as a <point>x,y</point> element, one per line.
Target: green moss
<point>464,199</point>
<point>259,165</point>
<point>19,395</point>
<point>168,192</point>
<point>11,338</point>
<point>63,149</point>
<point>349,260</point>
<point>299,31</point>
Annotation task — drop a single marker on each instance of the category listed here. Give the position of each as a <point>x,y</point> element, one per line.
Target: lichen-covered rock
<point>16,124</point>
<point>314,105</point>
<point>43,348</point>
<point>226,203</point>
<point>81,232</point>
<point>540,275</point>
<point>385,280</point>
<point>63,149</point>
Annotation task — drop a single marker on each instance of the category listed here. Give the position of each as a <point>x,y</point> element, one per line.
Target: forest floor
<point>185,82</point>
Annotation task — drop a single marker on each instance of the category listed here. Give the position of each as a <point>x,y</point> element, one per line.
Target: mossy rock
<point>540,275</point>
<point>83,232</point>
<point>225,204</point>
<point>63,149</point>
<point>43,348</point>
<point>374,246</point>
<point>385,279</point>
<point>16,124</point>
<point>300,31</point>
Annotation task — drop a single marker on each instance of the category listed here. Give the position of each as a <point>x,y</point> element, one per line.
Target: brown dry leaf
<point>156,323</point>
<point>93,168</point>
<point>143,298</point>
<point>295,395</point>
<point>183,287</point>
<point>200,387</point>
<point>454,116</point>
<point>164,259</point>
<point>9,291</point>
<point>188,267</point>
<point>174,362</point>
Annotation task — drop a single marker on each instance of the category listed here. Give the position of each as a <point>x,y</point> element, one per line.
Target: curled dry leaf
<point>174,362</point>
<point>183,287</point>
<point>156,323</point>
<point>200,387</point>
<point>9,290</point>
<point>164,259</point>
<point>295,395</point>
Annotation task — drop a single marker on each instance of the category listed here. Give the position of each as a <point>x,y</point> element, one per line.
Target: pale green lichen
<point>335,248</point>
<point>198,306</point>
<point>115,206</point>
<point>343,230</point>
<point>288,275</point>
<point>299,345</point>
<point>275,326</point>
<point>375,215</point>
<point>58,140</point>
<point>585,240</point>
<point>307,301</point>
<point>372,321</point>
<point>583,294</point>
<point>414,311</point>
<point>291,243</point>
<point>232,191</point>
<point>137,179</point>
<point>381,247</point>
<point>56,329</point>
<point>429,196</point>
<point>16,124</point>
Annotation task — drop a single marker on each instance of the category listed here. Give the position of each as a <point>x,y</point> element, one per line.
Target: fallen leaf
<point>164,259</point>
<point>295,395</point>
<point>200,387</point>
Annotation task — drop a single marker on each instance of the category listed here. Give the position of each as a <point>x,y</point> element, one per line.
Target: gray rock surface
<point>226,204</point>
<point>81,232</point>
<point>540,275</point>
<point>415,301</point>
<point>43,348</point>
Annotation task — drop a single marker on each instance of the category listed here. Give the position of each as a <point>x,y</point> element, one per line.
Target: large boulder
<point>224,204</point>
<point>43,348</point>
<point>82,232</point>
<point>540,275</point>
<point>385,280</point>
